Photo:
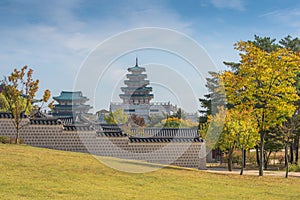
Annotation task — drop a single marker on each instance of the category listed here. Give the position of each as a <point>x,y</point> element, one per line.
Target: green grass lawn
<point>35,173</point>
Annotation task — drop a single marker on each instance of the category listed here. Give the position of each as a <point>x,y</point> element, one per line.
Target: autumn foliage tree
<point>19,90</point>
<point>137,120</point>
<point>117,117</point>
<point>264,82</point>
<point>238,131</point>
<point>175,122</point>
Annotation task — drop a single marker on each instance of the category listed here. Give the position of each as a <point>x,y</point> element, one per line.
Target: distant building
<point>70,104</point>
<point>194,117</point>
<point>137,95</point>
<point>101,115</point>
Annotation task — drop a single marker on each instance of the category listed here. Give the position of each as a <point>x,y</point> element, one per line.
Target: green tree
<point>214,99</point>
<point>268,45</point>
<point>264,43</point>
<point>227,141</point>
<point>274,142</point>
<point>264,82</point>
<point>117,117</point>
<point>293,44</point>
<point>238,131</point>
<point>246,131</point>
<point>180,114</point>
<point>3,103</point>
<point>19,90</point>
<point>288,128</point>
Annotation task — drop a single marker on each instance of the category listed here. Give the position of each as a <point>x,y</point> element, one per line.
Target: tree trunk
<point>291,153</point>
<point>261,153</point>
<point>266,163</point>
<point>265,166</point>
<point>286,157</point>
<point>243,161</point>
<point>296,149</point>
<point>17,134</point>
<point>257,155</point>
<point>230,158</point>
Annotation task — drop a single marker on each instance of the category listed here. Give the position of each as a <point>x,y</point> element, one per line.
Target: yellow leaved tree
<point>264,83</point>
<point>19,90</point>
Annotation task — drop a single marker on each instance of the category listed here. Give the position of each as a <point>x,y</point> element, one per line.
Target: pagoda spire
<point>136,61</point>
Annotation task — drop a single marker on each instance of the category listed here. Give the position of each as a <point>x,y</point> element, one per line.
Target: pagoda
<point>136,95</point>
<point>70,104</point>
<point>137,91</point>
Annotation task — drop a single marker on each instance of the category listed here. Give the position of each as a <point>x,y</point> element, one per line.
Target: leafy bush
<point>294,168</point>
<point>21,141</point>
<point>175,122</point>
<point>4,140</point>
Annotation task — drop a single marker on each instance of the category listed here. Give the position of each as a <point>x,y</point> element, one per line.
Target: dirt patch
<point>218,170</point>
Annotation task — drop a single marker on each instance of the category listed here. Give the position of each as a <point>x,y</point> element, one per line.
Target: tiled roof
<point>70,107</point>
<point>136,89</point>
<point>69,96</point>
<point>136,75</point>
<point>110,127</point>
<point>78,128</point>
<point>5,115</point>
<point>171,132</point>
<point>162,139</point>
<point>45,121</point>
<point>9,115</point>
<point>111,134</point>
<point>66,120</point>
<point>136,95</point>
<point>136,69</point>
<point>102,111</point>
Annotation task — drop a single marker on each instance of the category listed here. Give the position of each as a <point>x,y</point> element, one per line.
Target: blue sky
<point>55,37</point>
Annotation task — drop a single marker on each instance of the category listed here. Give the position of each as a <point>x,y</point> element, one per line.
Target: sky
<point>59,39</point>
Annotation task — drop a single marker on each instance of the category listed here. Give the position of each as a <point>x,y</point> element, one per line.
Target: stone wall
<point>55,135</point>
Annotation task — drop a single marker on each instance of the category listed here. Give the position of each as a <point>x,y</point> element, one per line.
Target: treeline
<point>255,103</point>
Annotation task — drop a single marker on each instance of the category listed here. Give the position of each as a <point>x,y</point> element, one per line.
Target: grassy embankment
<point>35,173</point>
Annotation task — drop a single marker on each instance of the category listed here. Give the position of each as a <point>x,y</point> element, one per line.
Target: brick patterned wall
<point>56,137</point>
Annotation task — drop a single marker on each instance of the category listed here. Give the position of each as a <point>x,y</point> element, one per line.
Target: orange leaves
<point>20,89</point>
<point>46,95</point>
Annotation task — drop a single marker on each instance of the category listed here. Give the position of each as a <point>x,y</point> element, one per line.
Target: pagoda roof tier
<point>71,96</point>
<point>141,82</point>
<point>137,89</point>
<point>132,96</point>
<point>136,75</point>
<point>137,69</point>
<point>71,107</point>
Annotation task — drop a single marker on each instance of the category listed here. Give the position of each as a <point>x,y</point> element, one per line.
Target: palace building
<point>70,104</point>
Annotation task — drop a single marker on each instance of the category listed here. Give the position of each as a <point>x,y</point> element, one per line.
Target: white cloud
<point>54,39</point>
<point>229,4</point>
<point>287,17</point>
